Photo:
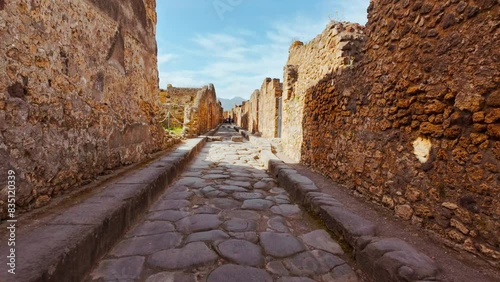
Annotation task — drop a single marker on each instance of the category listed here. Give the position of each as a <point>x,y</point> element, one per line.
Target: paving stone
<point>278,191</point>
<point>341,273</point>
<point>170,205</point>
<point>216,194</point>
<point>237,138</point>
<point>260,175</point>
<point>171,277</point>
<point>225,204</point>
<point>192,255</point>
<point>257,204</point>
<point>178,196</point>
<point>215,176</point>
<point>167,215</point>
<point>245,214</point>
<point>212,235</point>
<point>321,240</point>
<point>232,188</point>
<point>206,210</point>
<point>243,184</point>
<point>312,263</point>
<point>286,210</point>
<point>147,244</point>
<point>240,174</point>
<point>296,279</point>
<point>395,258</point>
<point>198,222</point>
<point>278,268</point>
<point>240,225</point>
<point>280,244</point>
<point>247,196</point>
<point>123,269</point>
<point>261,185</point>
<point>189,181</point>
<point>238,273</point>
<point>349,225</point>
<point>249,236</point>
<point>241,252</point>
<point>278,224</point>
<point>151,228</point>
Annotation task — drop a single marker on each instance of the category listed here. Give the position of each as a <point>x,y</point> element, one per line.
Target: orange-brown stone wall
<point>415,124</point>
<point>78,93</point>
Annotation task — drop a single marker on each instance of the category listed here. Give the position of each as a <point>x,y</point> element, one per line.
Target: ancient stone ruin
<point>78,99</point>
<point>404,112</point>
<point>197,110</point>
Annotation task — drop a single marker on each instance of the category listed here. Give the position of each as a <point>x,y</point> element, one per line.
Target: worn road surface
<point>224,220</point>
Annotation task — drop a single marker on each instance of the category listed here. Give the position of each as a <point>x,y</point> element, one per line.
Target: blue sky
<point>236,44</point>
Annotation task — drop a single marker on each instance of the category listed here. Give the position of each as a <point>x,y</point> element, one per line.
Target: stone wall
<point>307,64</point>
<point>270,93</point>
<point>78,92</point>
<point>415,124</point>
<point>252,109</point>
<point>174,100</point>
<point>204,113</point>
<point>244,115</point>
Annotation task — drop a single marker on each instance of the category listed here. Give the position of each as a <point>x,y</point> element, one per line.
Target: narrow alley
<point>225,219</point>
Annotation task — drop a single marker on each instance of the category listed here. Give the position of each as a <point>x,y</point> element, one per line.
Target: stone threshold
<point>381,258</point>
<point>65,247</point>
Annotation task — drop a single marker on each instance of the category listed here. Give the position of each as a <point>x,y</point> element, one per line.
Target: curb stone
<point>64,248</point>
<point>382,258</point>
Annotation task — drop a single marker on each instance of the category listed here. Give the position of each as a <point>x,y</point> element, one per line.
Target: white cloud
<point>237,61</point>
<point>165,58</point>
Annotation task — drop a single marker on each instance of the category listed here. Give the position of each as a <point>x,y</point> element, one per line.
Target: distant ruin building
<point>197,110</point>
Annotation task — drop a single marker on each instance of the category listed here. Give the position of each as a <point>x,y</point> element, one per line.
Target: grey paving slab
<point>321,240</point>
<point>238,273</point>
<point>151,228</point>
<point>212,235</point>
<point>257,204</point>
<point>192,255</point>
<point>147,245</point>
<point>280,244</point>
<point>241,252</point>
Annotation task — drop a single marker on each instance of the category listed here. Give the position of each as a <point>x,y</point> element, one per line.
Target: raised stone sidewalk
<point>382,258</point>
<point>64,247</point>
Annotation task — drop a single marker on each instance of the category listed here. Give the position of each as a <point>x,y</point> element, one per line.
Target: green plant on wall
<point>174,130</point>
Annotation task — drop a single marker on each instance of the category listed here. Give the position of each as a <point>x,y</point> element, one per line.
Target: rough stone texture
<point>416,129</point>
<point>197,110</point>
<point>307,64</point>
<point>237,273</point>
<point>280,244</point>
<point>392,259</point>
<point>129,268</point>
<point>191,255</point>
<point>270,94</point>
<point>68,111</point>
<point>407,115</point>
<point>241,252</point>
<point>320,239</point>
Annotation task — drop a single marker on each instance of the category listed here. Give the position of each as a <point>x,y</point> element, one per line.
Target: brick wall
<point>415,124</point>
<point>78,92</point>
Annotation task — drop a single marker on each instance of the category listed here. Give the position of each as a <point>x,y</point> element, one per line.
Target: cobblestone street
<point>225,219</point>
